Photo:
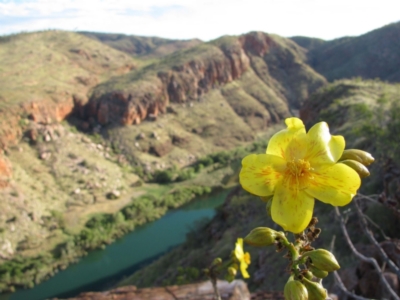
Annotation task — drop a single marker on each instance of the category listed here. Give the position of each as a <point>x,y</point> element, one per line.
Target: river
<point>101,268</point>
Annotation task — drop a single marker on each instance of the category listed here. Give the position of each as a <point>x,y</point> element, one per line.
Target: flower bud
<point>356,166</point>
<point>315,290</point>
<point>217,261</point>
<point>261,236</point>
<point>307,275</point>
<point>317,272</point>
<point>323,260</point>
<point>358,155</point>
<point>295,290</point>
<point>232,271</point>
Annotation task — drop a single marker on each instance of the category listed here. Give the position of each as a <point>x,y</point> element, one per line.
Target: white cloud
<point>205,19</point>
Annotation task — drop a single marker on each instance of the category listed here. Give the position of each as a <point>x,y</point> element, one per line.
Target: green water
<point>136,249</point>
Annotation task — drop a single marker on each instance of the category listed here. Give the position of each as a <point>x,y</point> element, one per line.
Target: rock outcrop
<point>186,76</point>
<point>5,172</point>
<point>182,82</point>
<point>236,290</point>
<point>44,76</point>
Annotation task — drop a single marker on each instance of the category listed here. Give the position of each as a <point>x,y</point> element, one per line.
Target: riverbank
<point>140,247</point>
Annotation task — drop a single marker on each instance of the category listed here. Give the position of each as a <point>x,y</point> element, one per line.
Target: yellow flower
<point>297,168</point>
<point>242,258</point>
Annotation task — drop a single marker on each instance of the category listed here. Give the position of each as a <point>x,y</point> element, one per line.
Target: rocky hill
<point>372,55</point>
<point>149,47</point>
<point>44,75</point>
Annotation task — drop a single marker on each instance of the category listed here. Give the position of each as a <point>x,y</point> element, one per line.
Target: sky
<point>203,19</point>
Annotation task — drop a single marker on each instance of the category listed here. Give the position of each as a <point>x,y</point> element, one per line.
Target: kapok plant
<point>297,168</point>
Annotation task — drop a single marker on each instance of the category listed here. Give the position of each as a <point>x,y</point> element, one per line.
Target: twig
<point>338,280</point>
<point>377,227</point>
<point>341,285</point>
<point>371,198</point>
<point>374,241</point>
<point>364,258</point>
<point>216,292</point>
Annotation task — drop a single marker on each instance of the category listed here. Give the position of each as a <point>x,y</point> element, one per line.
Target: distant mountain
<point>151,47</point>
<point>375,54</point>
<point>307,42</point>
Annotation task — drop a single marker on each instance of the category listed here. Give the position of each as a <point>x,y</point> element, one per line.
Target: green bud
<point>358,155</point>
<point>232,271</point>
<point>356,166</point>
<point>217,261</point>
<point>261,236</point>
<point>315,290</point>
<point>295,290</point>
<point>317,272</point>
<point>307,275</point>
<point>323,260</point>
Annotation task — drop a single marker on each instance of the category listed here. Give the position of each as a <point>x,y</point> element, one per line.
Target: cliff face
<point>5,172</point>
<point>189,75</point>
<point>44,75</point>
<point>181,83</point>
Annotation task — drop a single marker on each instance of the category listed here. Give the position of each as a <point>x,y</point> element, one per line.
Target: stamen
<point>298,171</point>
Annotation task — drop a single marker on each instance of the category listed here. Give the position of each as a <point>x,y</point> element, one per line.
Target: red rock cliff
<point>278,62</point>
<point>182,82</point>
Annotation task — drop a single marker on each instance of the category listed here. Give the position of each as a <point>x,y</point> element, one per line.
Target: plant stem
<point>216,292</point>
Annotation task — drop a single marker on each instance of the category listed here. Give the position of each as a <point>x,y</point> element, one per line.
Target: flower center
<point>298,167</point>
<point>298,173</point>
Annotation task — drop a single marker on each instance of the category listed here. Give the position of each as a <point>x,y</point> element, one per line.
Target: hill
<point>44,74</point>
<point>216,96</point>
<point>148,47</point>
<point>369,56</point>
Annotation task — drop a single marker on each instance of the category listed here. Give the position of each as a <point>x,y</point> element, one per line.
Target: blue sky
<point>204,19</point>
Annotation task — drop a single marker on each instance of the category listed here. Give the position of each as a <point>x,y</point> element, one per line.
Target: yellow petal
<point>294,123</point>
<point>280,140</point>
<point>243,269</point>
<point>291,209</point>
<point>260,173</point>
<point>297,148</point>
<point>247,258</point>
<point>239,249</point>
<point>335,185</point>
<point>323,148</point>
